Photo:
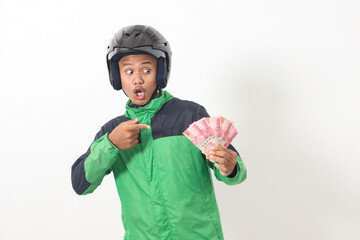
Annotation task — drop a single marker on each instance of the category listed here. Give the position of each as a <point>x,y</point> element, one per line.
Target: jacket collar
<point>151,108</point>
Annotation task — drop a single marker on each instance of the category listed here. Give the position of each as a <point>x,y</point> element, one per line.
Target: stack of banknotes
<point>211,131</point>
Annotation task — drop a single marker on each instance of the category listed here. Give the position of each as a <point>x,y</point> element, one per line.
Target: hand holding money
<point>212,136</point>
<point>224,158</point>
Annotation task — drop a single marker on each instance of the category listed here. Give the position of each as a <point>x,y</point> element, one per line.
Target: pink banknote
<point>226,126</point>
<point>232,134</point>
<point>211,131</point>
<point>204,125</point>
<point>199,133</point>
<point>215,124</point>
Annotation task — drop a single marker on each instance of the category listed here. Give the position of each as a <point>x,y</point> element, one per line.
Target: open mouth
<point>139,93</point>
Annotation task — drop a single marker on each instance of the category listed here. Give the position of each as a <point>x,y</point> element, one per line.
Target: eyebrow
<point>129,64</point>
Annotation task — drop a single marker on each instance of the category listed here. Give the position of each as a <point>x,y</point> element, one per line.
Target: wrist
<point>233,173</point>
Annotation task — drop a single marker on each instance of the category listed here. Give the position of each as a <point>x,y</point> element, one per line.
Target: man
<point>163,180</point>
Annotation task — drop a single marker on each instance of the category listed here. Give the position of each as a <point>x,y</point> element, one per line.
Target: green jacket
<point>164,182</point>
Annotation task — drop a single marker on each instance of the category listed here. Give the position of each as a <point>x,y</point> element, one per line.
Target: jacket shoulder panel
<point>175,116</point>
<point>110,125</point>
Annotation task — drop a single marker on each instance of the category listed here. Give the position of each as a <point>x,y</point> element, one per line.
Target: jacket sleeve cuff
<point>233,173</point>
<point>240,175</point>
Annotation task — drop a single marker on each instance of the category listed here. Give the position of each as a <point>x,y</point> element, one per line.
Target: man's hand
<point>225,158</point>
<point>125,135</point>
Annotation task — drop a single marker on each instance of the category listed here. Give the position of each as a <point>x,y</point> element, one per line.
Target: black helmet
<point>139,39</point>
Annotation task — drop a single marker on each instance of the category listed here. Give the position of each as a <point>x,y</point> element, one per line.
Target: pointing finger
<point>138,126</point>
<point>133,124</point>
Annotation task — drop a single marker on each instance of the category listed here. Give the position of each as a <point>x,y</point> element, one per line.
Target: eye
<point>146,70</point>
<point>129,72</point>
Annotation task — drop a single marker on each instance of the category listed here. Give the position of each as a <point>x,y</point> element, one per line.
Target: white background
<point>286,72</point>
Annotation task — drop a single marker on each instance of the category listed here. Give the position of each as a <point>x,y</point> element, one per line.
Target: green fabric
<point>97,164</point>
<point>149,110</point>
<point>165,185</point>
<point>239,177</point>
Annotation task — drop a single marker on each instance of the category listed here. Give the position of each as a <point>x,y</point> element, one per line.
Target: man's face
<point>138,77</point>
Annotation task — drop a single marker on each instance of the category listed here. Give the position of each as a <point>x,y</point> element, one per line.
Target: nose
<point>137,78</point>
